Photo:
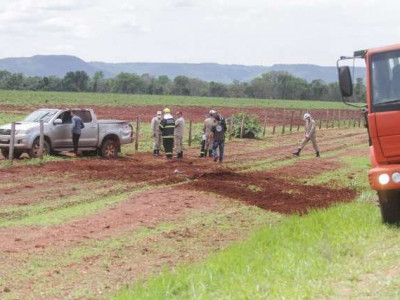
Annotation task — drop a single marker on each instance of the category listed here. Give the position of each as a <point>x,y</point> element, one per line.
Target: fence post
<point>137,133</point>
<point>284,121</point>
<point>273,128</point>
<point>242,128</point>
<point>265,124</point>
<point>190,133</point>
<point>41,140</point>
<point>291,121</point>
<point>230,127</point>
<point>327,119</point>
<point>339,119</point>
<point>12,142</point>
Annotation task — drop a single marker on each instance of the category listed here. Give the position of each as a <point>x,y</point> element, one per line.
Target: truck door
<point>386,104</point>
<point>61,134</point>
<point>89,134</point>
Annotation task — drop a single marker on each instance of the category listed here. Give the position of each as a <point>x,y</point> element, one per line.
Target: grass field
<point>59,98</point>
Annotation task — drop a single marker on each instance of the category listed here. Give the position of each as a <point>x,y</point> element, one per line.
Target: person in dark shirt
<point>77,126</point>
<point>218,132</point>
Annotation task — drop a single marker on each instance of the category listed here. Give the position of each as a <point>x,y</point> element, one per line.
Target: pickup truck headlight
<point>22,131</point>
<point>384,179</point>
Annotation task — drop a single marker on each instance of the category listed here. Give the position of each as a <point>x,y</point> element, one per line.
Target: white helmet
<point>306,116</point>
<point>212,112</point>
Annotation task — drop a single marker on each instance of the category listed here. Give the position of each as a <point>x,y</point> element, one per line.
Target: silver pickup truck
<point>105,136</point>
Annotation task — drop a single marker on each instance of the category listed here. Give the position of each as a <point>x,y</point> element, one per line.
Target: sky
<point>247,32</point>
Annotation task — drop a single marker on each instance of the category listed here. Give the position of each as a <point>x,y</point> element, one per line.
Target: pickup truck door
<point>61,134</point>
<point>89,134</point>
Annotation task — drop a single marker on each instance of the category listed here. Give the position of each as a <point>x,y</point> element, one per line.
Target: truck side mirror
<point>57,121</point>
<point>345,82</point>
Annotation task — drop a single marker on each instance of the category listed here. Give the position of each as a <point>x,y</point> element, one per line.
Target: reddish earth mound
<point>270,193</point>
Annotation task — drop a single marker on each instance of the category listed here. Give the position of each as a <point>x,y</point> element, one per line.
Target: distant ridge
<point>59,65</point>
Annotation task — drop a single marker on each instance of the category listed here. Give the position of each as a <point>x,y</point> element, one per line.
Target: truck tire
<point>17,153</point>
<point>109,149</point>
<point>389,201</point>
<point>34,151</point>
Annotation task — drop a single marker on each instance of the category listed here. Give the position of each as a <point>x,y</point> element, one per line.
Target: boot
<point>297,153</point>
<point>317,154</point>
<point>210,154</point>
<point>181,154</point>
<point>154,152</point>
<point>201,154</point>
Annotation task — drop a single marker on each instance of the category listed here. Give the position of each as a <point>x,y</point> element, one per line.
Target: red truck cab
<point>383,122</point>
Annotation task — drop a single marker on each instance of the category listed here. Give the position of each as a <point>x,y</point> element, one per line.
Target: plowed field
<point>85,227</point>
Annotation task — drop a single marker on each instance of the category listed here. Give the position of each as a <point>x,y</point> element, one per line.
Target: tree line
<point>271,85</point>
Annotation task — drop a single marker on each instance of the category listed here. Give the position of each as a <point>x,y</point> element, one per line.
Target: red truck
<point>382,116</point>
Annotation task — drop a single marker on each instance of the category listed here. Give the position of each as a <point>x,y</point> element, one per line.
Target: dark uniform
<point>167,127</point>
<point>218,131</point>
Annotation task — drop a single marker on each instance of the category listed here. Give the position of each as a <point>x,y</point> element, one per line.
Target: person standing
<point>155,128</point>
<point>208,124</point>
<point>218,134</point>
<point>167,128</point>
<point>178,134</point>
<point>310,134</point>
<point>77,126</point>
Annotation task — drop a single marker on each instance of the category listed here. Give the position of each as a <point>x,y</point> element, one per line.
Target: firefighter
<point>167,127</point>
<point>155,128</point>
<point>178,134</point>
<point>310,134</point>
<point>208,124</point>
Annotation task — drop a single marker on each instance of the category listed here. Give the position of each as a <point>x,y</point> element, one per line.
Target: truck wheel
<point>389,201</point>
<point>17,153</point>
<point>109,149</point>
<point>34,152</point>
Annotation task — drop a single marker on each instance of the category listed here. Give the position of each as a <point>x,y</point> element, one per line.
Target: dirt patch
<point>307,168</point>
<point>270,193</point>
<point>147,209</point>
<point>198,113</point>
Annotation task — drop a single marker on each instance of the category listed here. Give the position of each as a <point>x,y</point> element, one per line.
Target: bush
<point>252,126</point>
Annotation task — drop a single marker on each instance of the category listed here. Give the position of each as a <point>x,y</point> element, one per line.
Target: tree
<point>96,81</point>
<point>217,89</point>
<point>76,81</point>
<point>181,86</point>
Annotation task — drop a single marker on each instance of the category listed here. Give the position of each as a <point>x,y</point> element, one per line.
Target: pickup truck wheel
<point>389,201</point>
<point>109,149</point>
<point>34,152</point>
<point>17,153</point>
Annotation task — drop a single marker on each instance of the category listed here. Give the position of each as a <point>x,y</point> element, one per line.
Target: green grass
<point>29,98</point>
<point>303,257</point>
<point>227,220</point>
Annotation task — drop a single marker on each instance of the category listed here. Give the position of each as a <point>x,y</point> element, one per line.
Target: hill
<point>58,65</point>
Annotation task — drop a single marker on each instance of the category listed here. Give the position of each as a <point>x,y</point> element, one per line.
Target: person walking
<point>167,128</point>
<point>218,134</point>
<point>178,134</point>
<point>310,134</point>
<point>208,124</point>
<point>155,128</point>
<point>77,126</point>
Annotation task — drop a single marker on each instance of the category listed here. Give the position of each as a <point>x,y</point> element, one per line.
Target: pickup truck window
<point>85,115</point>
<point>38,115</point>
<point>66,117</point>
